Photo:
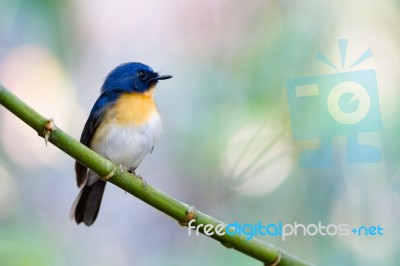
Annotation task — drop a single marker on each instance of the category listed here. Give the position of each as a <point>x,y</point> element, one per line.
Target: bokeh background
<point>227,146</point>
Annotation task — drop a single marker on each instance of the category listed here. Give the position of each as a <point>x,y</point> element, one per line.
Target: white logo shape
<point>358,92</point>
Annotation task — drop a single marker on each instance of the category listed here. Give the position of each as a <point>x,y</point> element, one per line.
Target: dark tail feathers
<point>87,204</point>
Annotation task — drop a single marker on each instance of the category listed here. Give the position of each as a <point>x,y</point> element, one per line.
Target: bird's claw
<point>132,171</point>
<point>144,183</point>
<point>123,168</point>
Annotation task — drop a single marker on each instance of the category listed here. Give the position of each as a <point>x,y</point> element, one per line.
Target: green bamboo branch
<point>183,213</point>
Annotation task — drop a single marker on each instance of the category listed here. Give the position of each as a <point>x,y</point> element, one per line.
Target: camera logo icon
<point>340,104</point>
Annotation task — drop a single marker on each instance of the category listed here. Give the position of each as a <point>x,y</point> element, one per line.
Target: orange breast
<point>133,108</point>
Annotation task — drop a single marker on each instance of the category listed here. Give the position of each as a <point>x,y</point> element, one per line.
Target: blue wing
<point>94,120</point>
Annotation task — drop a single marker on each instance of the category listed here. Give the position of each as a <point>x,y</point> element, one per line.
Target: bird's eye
<point>141,74</point>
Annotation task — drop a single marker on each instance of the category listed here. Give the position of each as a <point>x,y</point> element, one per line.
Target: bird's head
<point>131,77</point>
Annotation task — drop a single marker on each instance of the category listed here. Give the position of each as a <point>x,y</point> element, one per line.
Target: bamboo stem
<point>183,213</point>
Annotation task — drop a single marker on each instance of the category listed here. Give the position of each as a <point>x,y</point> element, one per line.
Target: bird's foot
<point>132,171</point>
<point>123,168</point>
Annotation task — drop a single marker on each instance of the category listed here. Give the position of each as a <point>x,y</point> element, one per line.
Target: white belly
<point>127,144</point>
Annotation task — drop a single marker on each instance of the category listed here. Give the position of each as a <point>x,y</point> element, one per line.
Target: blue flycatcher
<point>123,126</point>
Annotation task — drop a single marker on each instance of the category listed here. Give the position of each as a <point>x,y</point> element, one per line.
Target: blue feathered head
<point>131,77</point>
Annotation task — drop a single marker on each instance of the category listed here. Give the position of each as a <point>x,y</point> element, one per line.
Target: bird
<point>122,126</point>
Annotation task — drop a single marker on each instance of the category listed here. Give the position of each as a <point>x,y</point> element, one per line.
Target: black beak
<point>162,77</point>
<point>159,77</point>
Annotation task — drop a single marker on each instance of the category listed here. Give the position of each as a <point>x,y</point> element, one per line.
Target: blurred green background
<point>227,146</point>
